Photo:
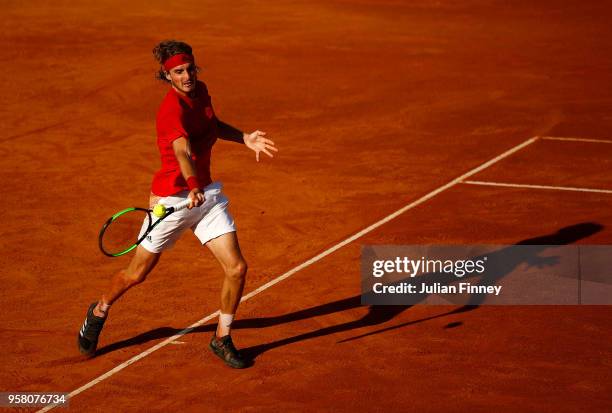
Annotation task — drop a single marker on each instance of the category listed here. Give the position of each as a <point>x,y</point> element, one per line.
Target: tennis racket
<point>122,232</point>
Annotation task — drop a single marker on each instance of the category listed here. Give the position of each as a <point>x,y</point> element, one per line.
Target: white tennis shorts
<point>210,220</point>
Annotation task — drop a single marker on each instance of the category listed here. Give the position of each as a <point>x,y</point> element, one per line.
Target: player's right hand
<point>196,196</point>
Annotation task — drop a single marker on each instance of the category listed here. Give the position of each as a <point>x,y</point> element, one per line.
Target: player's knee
<point>138,269</point>
<point>237,271</point>
<point>133,277</point>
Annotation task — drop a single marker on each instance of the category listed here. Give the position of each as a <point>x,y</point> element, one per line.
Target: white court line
<point>554,138</point>
<point>558,188</point>
<point>132,361</point>
<point>299,267</point>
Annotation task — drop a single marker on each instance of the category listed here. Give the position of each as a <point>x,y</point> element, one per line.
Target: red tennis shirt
<point>195,120</point>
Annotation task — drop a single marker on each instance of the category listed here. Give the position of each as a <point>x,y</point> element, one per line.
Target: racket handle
<point>181,205</point>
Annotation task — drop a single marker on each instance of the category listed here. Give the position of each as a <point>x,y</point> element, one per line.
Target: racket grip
<point>181,205</point>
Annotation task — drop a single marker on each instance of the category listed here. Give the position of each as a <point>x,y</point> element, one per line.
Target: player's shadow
<point>377,314</point>
<point>505,261</point>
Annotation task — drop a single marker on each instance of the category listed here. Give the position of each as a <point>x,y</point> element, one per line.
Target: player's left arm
<point>256,141</point>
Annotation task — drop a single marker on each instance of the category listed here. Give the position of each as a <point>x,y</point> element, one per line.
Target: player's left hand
<point>257,142</point>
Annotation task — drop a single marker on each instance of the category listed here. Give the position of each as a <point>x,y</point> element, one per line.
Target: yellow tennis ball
<point>159,210</point>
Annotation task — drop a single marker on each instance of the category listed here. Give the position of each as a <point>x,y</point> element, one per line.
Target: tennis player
<point>187,128</point>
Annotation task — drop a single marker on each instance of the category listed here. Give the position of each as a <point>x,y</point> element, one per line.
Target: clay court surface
<point>373,105</point>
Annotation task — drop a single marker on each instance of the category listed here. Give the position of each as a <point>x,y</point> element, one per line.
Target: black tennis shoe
<point>225,350</point>
<point>90,331</point>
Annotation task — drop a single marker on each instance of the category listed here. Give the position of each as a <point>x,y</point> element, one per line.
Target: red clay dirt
<point>373,104</point>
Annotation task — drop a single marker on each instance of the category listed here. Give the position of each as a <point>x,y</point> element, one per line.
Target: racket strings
<point>125,230</point>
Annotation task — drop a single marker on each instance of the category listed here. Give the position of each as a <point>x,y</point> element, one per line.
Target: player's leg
<point>226,250</point>
<point>140,266</point>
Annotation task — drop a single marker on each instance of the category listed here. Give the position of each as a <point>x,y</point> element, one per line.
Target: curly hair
<point>165,50</point>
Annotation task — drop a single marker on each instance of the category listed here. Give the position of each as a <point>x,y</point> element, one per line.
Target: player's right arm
<point>183,156</point>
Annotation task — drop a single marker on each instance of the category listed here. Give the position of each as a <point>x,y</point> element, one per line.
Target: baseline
<point>558,188</point>
<point>554,138</point>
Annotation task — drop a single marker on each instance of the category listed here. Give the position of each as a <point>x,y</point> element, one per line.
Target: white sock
<point>225,324</point>
<point>103,307</point>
